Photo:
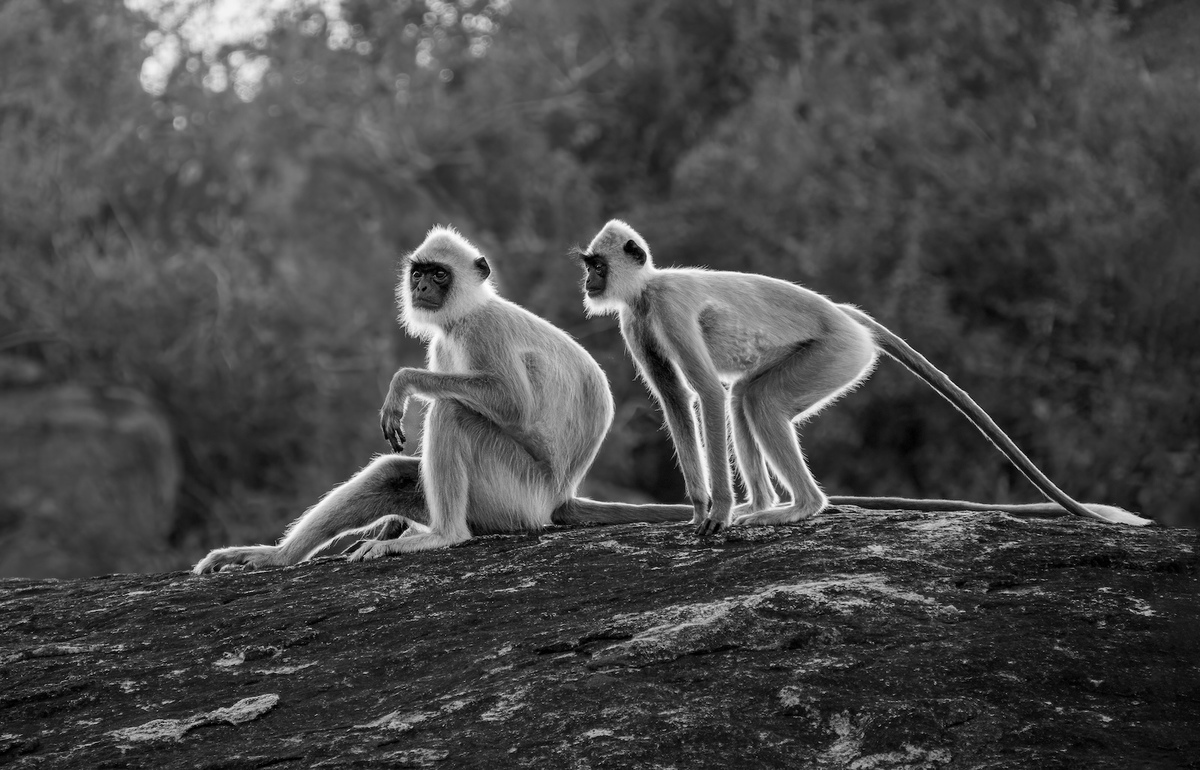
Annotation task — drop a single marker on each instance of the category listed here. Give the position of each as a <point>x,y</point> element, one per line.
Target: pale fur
<point>517,412</point>
<point>784,352</point>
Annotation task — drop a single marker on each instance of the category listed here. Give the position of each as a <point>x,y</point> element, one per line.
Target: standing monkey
<point>785,352</point>
<point>517,413</point>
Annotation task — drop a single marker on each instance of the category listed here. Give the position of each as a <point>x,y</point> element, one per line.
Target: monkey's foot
<point>387,527</point>
<point>745,509</point>
<point>716,522</point>
<point>773,517</point>
<point>423,541</point>
<point>252,556</point>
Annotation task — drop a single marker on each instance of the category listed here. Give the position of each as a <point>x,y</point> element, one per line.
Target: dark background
<point>206,211</point>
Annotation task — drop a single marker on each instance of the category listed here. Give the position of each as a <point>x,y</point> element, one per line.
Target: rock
<point>858,640</point>
<point>88,480</point>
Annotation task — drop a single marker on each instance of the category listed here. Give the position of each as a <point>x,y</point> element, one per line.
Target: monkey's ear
<point>635,251</point>
<point>484,269</point>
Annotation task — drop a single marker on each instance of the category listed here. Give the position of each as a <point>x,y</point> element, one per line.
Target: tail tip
<point>1115,515</point>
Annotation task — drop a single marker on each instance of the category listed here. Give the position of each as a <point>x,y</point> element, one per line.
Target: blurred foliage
<point>214,218</point>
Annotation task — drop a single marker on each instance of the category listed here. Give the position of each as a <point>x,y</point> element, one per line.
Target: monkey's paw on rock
<point>237,557</point>
<point>864,639</point>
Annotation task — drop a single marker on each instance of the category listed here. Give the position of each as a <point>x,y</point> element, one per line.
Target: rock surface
<point>858,640</point>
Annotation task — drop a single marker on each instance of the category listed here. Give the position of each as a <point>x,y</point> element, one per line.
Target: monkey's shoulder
<point>503,336</point>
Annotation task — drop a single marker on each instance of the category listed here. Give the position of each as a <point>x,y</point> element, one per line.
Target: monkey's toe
<point>709,527</point>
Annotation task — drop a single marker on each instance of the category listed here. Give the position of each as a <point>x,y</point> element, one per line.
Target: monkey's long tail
<point>938,504</point>
<point>916,363</point>
<point>580,510</point>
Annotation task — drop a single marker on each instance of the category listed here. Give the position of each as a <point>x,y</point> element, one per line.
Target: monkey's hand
<point>719,515</point>
<point>391,415</point>
<point>700,508</point>
<point>391,421</point>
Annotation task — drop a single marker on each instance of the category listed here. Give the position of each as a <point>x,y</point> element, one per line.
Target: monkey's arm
<point>489,395</point>
<point>701,374</point>
<point>675,399</point>
<point>499,398</point>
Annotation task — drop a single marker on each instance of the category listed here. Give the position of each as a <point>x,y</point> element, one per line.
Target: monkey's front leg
<point>716,448</point>
<point>391,415</point>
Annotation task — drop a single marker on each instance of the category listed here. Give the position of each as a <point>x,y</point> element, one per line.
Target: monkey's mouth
<point>423,303</point>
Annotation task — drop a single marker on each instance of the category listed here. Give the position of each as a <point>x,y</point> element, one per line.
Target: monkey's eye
<point>440,276</point>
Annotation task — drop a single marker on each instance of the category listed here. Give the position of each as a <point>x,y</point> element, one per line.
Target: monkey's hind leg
<point>798,386</point>
<point>388,486</point>
<point>772,426</point>
<point>446,472</point>
<point>750,462</point>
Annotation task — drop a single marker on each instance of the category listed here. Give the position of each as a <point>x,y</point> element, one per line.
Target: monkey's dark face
<point>597,266</point>
<point>430,284</point>
<point>597,274</point>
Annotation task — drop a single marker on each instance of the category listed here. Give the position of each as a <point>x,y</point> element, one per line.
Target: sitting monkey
<point>516,416</point>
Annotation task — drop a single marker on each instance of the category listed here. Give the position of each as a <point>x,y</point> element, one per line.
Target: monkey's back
<point>746,320</point>
<point>567,404</point>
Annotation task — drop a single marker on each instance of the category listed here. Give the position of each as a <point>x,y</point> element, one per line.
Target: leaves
<point>1002,184</point>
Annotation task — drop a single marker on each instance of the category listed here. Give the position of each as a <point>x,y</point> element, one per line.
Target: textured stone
<point>858,640</point>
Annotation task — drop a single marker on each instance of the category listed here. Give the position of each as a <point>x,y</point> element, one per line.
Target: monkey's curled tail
<point>916,363</point>
<point>580,510</point>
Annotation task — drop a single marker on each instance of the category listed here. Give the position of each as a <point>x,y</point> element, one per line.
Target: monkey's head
<point>444,279</point>
<point>616,263</point>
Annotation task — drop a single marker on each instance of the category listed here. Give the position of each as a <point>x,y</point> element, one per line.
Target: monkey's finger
<point>350,549</point>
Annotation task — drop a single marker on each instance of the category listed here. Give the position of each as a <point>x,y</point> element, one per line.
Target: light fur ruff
<point>517,412</point>
<point>785,352</point>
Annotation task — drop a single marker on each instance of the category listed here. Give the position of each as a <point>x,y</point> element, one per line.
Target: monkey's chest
<point>445,356</point>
